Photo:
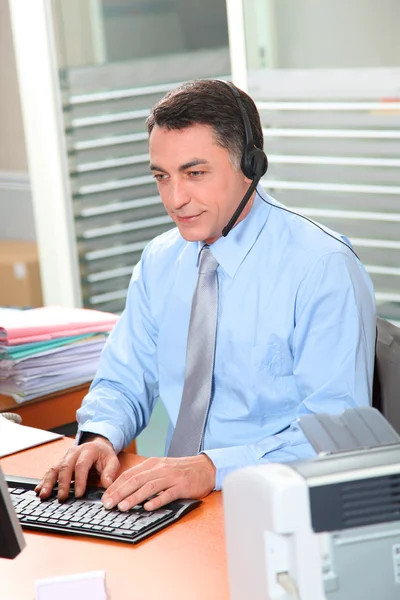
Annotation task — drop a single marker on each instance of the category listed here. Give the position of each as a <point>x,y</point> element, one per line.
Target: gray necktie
<point>188,435</point>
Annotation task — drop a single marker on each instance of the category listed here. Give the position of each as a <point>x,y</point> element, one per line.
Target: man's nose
<point>178,195</point>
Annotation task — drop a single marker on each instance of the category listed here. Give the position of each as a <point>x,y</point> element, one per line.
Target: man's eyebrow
<point>154,167</point>
<point>192,163</point>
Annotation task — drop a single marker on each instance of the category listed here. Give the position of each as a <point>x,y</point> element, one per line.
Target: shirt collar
<point>230,251</point>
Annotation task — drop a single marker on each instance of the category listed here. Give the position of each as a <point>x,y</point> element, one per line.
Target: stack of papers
<point>45,350</point>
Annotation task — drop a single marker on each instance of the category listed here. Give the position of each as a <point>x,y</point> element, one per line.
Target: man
<point>295,327</point>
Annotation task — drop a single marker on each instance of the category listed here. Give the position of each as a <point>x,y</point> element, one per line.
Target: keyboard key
<point>108,521</point>
<point>28,494</point>
<point>86,520</point>
<point>75,519</point>
<point>138,527</point>
<point>145,521</point>
<point>124,532</point>
<point>126,526</point>
<point>157,518</point>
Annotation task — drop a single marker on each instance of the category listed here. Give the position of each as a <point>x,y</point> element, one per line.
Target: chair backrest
<point>386,386</point>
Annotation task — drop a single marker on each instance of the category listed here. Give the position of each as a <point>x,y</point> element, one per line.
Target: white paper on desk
<point>14,437</point>
<point>82,586</point>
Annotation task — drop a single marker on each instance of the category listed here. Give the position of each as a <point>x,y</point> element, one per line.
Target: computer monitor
<point>11,536</point>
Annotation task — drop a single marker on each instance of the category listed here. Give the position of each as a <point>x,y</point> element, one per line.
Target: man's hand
<point>169,478</point>
<point>78,461</point>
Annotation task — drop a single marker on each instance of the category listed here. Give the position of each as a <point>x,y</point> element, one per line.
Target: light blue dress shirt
<point>295,335</point>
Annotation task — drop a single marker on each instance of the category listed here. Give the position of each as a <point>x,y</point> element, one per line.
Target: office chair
<point>386,383</point>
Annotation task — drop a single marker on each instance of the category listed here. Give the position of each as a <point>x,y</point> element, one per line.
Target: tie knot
<point>207,263</point>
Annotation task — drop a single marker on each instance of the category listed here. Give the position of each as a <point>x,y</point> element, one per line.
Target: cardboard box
<point>19,274</point>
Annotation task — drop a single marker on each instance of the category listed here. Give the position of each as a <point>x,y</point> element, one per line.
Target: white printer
<point>323,529</point>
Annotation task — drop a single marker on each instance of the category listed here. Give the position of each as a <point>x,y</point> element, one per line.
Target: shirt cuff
<point>227,460</point>
<point>106,430</point>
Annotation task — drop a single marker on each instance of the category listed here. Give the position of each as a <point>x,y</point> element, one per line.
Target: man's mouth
<point>187,218</point>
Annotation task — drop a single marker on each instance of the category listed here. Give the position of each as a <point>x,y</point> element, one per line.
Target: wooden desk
<point>50,411</point>
<point>186,561</point>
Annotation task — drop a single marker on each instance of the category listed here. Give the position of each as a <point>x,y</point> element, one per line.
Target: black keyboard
<point>87,516</point>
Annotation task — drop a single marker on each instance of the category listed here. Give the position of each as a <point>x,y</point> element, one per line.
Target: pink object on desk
<point>49,322</point>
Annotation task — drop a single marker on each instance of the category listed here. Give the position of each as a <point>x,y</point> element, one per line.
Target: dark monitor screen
<point>11,537</point>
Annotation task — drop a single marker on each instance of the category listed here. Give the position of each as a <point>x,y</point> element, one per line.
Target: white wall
<point>342,33</point>
<point>323,33</point>
<point>16,213</point>
<point>12,142</point>
<point>73,23</point>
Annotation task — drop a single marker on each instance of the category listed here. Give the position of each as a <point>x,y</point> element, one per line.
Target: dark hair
<point>209,102</point>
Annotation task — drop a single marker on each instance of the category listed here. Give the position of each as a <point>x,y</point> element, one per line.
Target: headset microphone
<point>241,207</point>
<point>254,163</point>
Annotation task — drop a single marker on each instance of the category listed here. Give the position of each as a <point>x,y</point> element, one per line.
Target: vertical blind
<point>116,207</point>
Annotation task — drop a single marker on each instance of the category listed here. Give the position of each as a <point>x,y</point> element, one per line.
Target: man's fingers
<point>76,464</point>
<point>109,472</point>
<point>129,483</point>
<point>46,485</point>
<point>148,490</point>
<point>82,468</point>
<point>124,486</point>
<point>163,498</point>
<point>138,473</point>
<point>105,462</point>
<point>65,472</point>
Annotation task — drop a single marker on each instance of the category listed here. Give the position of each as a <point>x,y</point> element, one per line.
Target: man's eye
<point>196,173</point>
<point>159,176</point>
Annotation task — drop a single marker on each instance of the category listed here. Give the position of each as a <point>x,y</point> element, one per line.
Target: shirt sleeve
<point>333,358</point>
<point>122,396</point>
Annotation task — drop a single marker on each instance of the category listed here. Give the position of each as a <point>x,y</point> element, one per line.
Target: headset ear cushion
<point>254,163</point>
<point>259,162</point>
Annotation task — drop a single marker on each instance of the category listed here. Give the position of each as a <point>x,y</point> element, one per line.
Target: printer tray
<point>354,429</point>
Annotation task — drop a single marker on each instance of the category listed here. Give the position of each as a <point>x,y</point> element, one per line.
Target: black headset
<point>254,162</point>
<point>254,165</point>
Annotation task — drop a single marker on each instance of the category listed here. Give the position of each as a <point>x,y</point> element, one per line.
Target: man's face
<point>197,183</point>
